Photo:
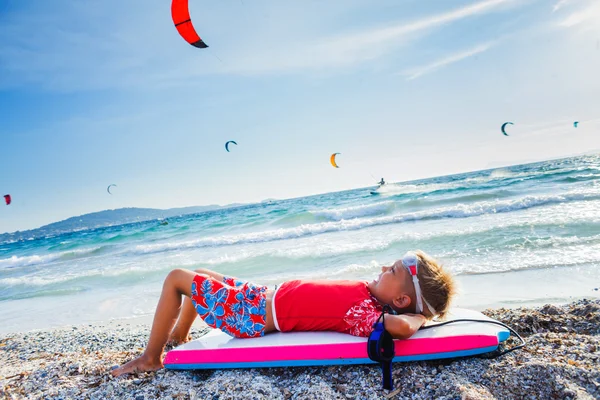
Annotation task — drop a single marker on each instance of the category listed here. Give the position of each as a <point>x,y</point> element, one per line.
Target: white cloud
<point>560,4</point>
<point>357,47</point>
<point>104,50</point>
<point>377,36</point>
<point>434,66</point>
<point>587,17</point>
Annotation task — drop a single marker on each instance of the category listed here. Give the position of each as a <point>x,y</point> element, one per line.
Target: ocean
<point>515,236</point>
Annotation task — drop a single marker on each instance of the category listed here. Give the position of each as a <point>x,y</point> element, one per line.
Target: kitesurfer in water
<point>416,288</point>
<point>381,182</point>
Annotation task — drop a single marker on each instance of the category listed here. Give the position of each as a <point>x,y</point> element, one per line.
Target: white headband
<point>410,261</point>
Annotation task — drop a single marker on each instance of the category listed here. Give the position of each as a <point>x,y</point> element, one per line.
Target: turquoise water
<point>525,234</point>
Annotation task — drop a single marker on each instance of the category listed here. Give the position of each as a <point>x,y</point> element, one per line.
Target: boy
<point>416,287</point>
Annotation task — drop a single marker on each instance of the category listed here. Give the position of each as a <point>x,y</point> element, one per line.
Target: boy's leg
<point>181,332</point>
<point>177,283</point>
<point>188,314</point>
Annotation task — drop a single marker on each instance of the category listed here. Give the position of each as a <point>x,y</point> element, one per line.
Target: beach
<point>523,243</point>
<point>561,361</point>
<point>304,151</point>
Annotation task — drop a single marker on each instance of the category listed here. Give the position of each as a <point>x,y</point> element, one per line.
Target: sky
<point>101,92</point>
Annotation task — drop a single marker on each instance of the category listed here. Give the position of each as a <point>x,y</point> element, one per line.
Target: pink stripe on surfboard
<point>327,351</point>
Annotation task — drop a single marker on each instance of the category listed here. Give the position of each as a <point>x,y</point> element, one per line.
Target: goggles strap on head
<point>411,263</point>
<point>381,348</point>
<point>418,294</point>
<point>433,311</point>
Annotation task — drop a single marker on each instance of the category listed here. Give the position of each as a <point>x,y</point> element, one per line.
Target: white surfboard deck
<point>217,350</point>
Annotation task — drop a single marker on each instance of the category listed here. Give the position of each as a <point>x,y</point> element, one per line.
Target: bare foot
<point>140,364</point>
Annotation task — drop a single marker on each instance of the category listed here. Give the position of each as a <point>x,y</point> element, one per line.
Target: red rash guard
<point>340,306</point>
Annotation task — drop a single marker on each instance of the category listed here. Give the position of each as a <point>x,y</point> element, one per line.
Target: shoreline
<point>561,360</point>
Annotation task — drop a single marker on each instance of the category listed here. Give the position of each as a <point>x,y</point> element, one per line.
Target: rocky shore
<point>561,361</point>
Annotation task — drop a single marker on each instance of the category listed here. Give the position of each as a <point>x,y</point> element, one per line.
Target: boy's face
<point>393,282</point>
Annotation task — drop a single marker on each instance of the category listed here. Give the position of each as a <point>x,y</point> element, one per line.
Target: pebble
<point>560,361</point>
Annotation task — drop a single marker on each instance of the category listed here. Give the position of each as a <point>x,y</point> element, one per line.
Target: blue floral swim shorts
<point>236,307</point>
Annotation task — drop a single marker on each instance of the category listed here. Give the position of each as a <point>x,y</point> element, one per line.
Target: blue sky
<point>103,91</point>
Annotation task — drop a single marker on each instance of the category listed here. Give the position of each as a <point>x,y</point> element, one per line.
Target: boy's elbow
<point>401,329</point>
<point>405,333</point>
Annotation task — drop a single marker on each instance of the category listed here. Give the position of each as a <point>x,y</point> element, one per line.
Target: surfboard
<point>217,350</point>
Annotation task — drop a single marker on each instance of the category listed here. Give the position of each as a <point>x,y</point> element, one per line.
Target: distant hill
<point>107,218</point>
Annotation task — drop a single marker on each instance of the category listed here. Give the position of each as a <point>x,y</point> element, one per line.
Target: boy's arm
<point>403,326</point>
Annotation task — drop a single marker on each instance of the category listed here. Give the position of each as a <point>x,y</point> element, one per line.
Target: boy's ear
<point>402,301</point>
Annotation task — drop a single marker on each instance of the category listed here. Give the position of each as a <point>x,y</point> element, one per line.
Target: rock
<point>554,364</point>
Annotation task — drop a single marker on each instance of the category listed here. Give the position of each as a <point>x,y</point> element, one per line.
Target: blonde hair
<point>437,284</point>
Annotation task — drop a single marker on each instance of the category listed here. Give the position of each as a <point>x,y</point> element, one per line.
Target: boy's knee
<point>179,274</point>
<point>174,275</point>
<point>181,280</point>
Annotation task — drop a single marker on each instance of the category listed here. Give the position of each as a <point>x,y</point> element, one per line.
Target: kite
<point>181,18</point>
<point>7,199</point>
<point>504,126</point>
<point>575,124</point>
<point>332,159</point>
<point>108,188</point>
<point>227,145</point>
